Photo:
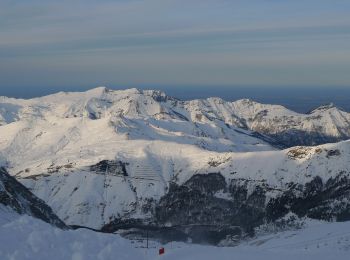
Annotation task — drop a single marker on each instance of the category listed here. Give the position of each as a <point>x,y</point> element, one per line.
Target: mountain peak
<point>99,90</point>
<point>157,95</point>
<point>323,108</point>
<point>246,101</point>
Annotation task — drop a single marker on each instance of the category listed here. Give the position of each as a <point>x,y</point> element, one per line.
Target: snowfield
<point>23,237</point>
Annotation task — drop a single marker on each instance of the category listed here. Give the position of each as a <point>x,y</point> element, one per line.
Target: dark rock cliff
<point>16,196</point>
<point>209,209</point>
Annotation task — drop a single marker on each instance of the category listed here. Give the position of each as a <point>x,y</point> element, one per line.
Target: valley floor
<point>23,237</point>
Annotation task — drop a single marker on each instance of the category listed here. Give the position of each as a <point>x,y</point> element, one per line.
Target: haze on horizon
<point>70,45</point>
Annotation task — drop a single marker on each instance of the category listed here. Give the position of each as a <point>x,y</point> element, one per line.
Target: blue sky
<point>55,45</point>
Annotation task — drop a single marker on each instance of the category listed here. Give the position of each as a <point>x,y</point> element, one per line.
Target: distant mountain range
<point>321,125</point>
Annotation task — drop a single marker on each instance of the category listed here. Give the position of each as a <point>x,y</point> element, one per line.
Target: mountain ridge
<point>98,92</point>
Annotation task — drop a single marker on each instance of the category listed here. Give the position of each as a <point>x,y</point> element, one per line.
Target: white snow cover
<point>49,143</point>
<point>23,237</point>
<point>209,113</point>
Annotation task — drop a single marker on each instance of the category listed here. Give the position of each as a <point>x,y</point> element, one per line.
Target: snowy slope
<point>14,196</point>
<point>84,197</point>
<point>317,241</point>
<point>22,237</point>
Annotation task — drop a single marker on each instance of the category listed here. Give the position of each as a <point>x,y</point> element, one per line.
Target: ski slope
<point>23,237</point>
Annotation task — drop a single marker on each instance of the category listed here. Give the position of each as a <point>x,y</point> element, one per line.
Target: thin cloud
<point>161,40</point>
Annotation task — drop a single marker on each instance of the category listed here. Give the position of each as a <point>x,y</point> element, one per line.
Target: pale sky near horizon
<point>62,44</point>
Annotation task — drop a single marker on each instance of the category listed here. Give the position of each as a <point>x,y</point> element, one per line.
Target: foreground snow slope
<point>22,237</point>
<point>320,241</point>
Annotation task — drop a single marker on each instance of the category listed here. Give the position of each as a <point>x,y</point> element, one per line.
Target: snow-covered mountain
<point>170,185</point>
<point>195,121</point>
<point>324,124</point>
<point>115,159</point>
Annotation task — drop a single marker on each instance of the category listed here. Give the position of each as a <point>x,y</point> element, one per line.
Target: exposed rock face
<point>109,167</point>
<point>14,195</point>
<point>294,137</point>
<point>206,201</point>
<point>198,202</point>
<point>318,200</point>
<point>207,209</point>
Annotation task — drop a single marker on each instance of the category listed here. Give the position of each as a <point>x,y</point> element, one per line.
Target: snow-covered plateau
<point>208,171</point>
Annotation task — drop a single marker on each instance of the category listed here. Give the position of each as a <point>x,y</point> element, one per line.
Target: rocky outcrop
<point>316,199</point>
<point>16,196</point>
<point>109,167</point>
<point>208,209</point>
